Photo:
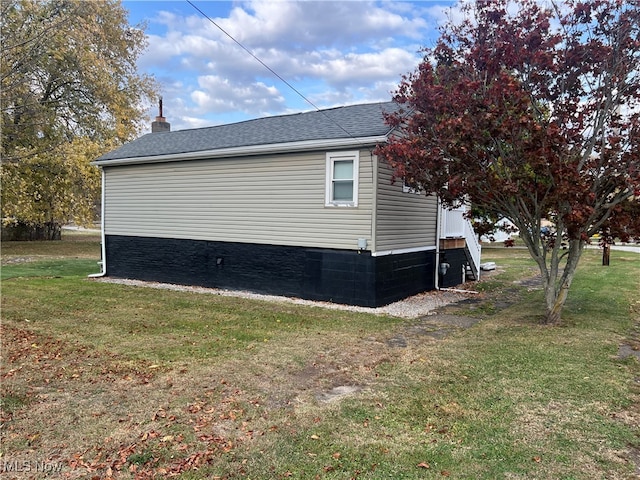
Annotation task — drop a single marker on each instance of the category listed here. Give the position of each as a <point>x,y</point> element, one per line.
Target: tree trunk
<point>606,254</point>
<point>556,305</point>
<point>557,290</point>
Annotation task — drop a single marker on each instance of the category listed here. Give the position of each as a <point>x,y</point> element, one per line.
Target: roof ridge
<point>284,115</point>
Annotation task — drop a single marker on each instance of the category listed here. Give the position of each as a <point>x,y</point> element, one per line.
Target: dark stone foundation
<point>339,276</point>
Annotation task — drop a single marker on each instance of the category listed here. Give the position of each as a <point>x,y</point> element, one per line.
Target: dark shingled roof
<point>354,121</point>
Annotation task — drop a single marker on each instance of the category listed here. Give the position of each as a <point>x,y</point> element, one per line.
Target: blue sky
<point>334,53</point>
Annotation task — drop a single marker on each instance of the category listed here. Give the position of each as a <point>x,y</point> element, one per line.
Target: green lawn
<point>133,382</point>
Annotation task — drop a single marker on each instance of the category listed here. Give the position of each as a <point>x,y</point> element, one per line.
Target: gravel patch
<point>413,307</point>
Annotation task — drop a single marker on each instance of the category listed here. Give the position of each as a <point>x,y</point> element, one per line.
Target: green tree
<point>70,91</point>
<point>531,111</point>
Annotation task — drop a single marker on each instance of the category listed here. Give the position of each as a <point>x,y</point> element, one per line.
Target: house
<point>294,205</point>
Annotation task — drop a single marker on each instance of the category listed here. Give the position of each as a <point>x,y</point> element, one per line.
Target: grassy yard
<point>104,380</point>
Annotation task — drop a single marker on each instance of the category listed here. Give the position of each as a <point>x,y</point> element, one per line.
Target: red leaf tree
<point>530,111</point>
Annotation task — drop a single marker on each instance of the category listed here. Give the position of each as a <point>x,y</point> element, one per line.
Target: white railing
<point>454,224</point>
<point>473,245</point>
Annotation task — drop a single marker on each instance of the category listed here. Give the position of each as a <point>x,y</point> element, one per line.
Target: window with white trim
<point>342,179</point>
<point>408,189</point>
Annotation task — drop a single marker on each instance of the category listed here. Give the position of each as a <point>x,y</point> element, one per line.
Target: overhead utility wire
<point>271,70</point>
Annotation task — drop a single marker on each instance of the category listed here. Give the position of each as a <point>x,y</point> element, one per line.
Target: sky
<point>331,52</point>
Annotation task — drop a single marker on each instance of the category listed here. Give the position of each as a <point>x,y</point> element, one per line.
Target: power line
<point>253,55</point>
<point>271,70</point>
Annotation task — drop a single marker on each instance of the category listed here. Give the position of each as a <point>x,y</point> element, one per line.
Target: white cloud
<point>333,52</point>
<point>186,122</point>
<point>448,13</point>
<point>218,94</point>
<point>365,68</point>
<point>304,25</point>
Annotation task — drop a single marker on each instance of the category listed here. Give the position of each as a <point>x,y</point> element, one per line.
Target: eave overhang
<point>251,150</point>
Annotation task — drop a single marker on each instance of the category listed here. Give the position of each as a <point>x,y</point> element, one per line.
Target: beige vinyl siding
<point>275,199</point>
<point>403,220</point>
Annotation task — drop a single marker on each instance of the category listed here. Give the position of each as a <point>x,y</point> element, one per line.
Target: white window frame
<point>333,157</point>
<point>407,189</point>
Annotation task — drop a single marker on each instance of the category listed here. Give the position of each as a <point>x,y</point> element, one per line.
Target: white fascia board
<point>400,251</point>
<point>362,142</point>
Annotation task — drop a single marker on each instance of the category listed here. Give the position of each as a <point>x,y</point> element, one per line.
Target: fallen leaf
<point>314,437</point>
<point>424,465</point>
<point>537,459</point>
<point>336,455</point>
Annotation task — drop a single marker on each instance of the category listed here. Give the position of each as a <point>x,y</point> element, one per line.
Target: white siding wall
<point>403,220</point>
<point>267,200</point>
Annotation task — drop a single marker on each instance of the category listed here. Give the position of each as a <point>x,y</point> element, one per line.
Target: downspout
<point>103,246</point>
<point>436,273</point>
